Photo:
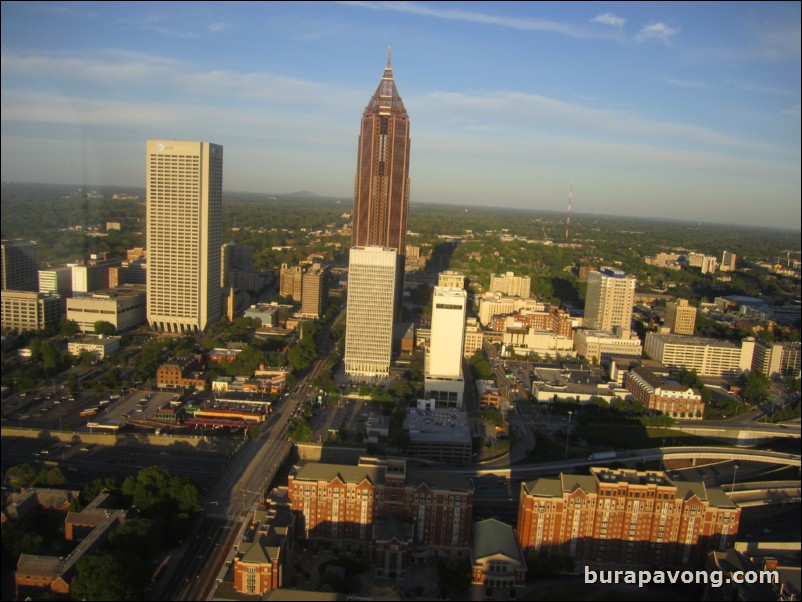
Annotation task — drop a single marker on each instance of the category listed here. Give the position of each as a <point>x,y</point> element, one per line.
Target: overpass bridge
<point>640,455</point>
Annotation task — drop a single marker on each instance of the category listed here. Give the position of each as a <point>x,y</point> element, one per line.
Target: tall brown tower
<point>381,187</point>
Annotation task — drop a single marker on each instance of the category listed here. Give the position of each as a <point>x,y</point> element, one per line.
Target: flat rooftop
<point>445,425</point>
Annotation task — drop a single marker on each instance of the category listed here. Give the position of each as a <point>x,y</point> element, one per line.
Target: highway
<point>192,571</point>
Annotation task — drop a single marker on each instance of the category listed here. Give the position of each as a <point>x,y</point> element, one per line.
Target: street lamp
<point>567,431</point>
<point>735,468</point>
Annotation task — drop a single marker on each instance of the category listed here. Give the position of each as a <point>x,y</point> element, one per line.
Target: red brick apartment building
<point>666,397</point>
<point>626,516</point>
<point>400,515</point>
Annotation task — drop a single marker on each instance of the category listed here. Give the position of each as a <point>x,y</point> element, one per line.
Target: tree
<point>21,475</point>
<point>156,491</point>
<point>117,575</point>
<point>68,328</point>
<point>137,535</point>
<point>757,387</point>
<point>50,477</point>
<point>17,538</point>
<point>105,328</point>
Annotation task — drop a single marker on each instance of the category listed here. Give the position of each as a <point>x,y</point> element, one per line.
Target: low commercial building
<point>125,307</point>
<point>439,435</point>
<point>487,394</point>
<point>524,341</point>
<point>598,345</point>
<point>496,556</point>
<point>99,345</point>
<point>552,384</point>
<point>496,304</point>
<point>181,373</point>
<point>664,396</point>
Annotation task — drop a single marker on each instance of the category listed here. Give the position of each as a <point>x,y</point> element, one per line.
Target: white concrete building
<point>184,232</point>
<point>372,280</point>
<point>709,357</point>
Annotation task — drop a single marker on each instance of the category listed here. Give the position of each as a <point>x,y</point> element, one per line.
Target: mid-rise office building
<point>372,278</point>
<point>315,293</point>
<point>511,285</point>
<point>184,216</point>
<point>56,280</point>
<point>29,311</point>
<point>609,299</point>
<point>777,359</point>
<point>92,275</point>
<point>474,337</point>
<point>19,265</point>
<point>680,317</point>
<point>709,357</point>
<point>727,261</point>
<point>626,517</point>
<point>234,260</point>
<point>291,282</point>
<point>706,263</point>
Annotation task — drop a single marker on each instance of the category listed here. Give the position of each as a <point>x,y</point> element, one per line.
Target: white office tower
<point>445,382</point>
<point>609,300</point>
<point>372,278</point>
<point>184,213</point>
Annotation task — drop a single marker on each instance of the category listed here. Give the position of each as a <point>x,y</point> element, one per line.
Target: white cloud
<point>609,19</point>
<point>450,14</point>
<point>657,31</point>
<point>684,83</point>
<point>536,113</point>
<point>219,26</point>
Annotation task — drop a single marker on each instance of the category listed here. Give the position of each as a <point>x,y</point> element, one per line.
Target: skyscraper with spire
<point>381,187</point>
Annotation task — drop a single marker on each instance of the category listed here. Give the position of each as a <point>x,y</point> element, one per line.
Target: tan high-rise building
<point>372,278</point>
<point>184,213</point>
<point>680,317</point>
<point>510,284</point>
<point>315,293</point>
<point>291,281</point>
<point>609,299</point>
<point>728,261</point>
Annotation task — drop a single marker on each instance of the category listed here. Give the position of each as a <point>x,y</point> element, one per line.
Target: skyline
<point>677,111</point>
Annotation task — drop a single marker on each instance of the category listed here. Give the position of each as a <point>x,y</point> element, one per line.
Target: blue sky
<point>686,110</point>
